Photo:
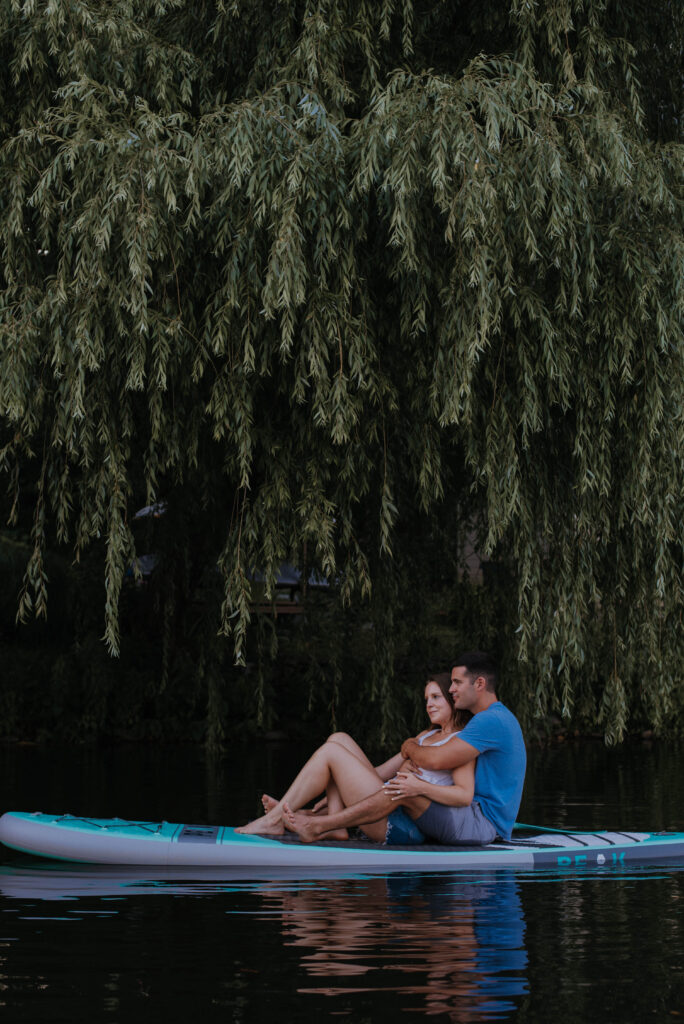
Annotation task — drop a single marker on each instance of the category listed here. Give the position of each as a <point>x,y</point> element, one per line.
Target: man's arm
<point>445,758</point>
<point>460,794</point>
<point>388,769</point>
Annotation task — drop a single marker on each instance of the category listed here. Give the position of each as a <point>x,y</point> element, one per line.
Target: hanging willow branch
<point>332,264</point>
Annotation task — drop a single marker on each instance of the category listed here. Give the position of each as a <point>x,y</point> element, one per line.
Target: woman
<point>341,770</point>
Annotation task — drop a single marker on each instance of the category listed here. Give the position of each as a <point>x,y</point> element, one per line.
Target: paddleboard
<point>118,841</point>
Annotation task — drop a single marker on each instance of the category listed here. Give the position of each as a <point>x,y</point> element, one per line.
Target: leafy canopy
<point>329,272</point>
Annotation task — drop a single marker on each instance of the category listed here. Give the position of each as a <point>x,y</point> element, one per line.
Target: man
<point>492,737</point>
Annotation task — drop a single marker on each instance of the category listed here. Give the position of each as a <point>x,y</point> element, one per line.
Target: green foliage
<point>344,282</point>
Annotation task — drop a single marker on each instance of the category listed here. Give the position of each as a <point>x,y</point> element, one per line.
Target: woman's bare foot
<point>270,803</point>
<point>268,825</point>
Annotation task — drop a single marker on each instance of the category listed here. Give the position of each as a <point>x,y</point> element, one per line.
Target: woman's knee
<point>333,746</point>
<point>343,738</point>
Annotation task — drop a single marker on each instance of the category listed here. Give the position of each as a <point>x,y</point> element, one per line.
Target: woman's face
<point>437,706</point>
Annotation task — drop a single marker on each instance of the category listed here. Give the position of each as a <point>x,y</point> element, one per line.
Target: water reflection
<point>428,944</point>
<point>449,947</point>
<point>65,881</point>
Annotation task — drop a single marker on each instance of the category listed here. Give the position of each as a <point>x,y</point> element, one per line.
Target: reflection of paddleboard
<point>25,879</point>
<point>160,844</point>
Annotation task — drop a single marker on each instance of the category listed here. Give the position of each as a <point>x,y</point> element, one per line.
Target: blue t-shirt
<point>500,767</point>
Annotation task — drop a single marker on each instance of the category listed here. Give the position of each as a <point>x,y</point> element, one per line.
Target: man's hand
<point>408,748</point>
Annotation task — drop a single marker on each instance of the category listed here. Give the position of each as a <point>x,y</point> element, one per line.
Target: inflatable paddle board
<point>162,844</point>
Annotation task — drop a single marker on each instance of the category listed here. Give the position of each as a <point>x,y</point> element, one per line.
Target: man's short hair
<point>478,663</point>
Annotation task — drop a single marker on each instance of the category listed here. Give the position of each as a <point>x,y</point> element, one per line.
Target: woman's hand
<point>405,784</point>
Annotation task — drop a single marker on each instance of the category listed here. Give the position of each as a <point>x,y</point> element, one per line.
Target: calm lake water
<point>96,945</point>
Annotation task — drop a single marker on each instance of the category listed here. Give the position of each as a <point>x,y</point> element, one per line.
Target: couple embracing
<point>458,783</point>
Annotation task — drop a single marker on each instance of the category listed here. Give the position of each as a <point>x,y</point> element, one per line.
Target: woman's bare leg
<point>345,740</point>
<point>334,800</point>
<point>334,804</point>
<point>353,778</point>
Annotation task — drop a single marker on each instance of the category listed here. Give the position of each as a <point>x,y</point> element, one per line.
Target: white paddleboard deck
<point>116,841</point>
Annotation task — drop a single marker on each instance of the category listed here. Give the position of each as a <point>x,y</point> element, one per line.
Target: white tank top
<point>441,777</point>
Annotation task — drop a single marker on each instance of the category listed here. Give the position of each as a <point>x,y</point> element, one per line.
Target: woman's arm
<point>389,768</point>
<point>460,794</point>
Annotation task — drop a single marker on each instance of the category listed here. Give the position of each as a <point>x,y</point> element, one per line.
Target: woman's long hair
<point>461,716</point>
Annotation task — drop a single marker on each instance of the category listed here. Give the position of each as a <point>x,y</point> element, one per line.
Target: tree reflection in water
<point>458,946</point>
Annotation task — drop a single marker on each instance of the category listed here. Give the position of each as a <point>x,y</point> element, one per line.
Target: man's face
<point>463,689</point>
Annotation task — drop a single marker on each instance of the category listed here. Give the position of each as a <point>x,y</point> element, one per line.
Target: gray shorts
<point>456,826</point>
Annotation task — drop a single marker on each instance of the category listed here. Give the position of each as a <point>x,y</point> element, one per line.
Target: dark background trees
<point>355,287</point>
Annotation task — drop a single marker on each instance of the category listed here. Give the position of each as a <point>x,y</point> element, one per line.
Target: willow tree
<point>323,271</point>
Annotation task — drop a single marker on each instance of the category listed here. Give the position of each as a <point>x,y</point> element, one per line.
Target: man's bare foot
<point>303,824</point>
<point>267,825</point>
